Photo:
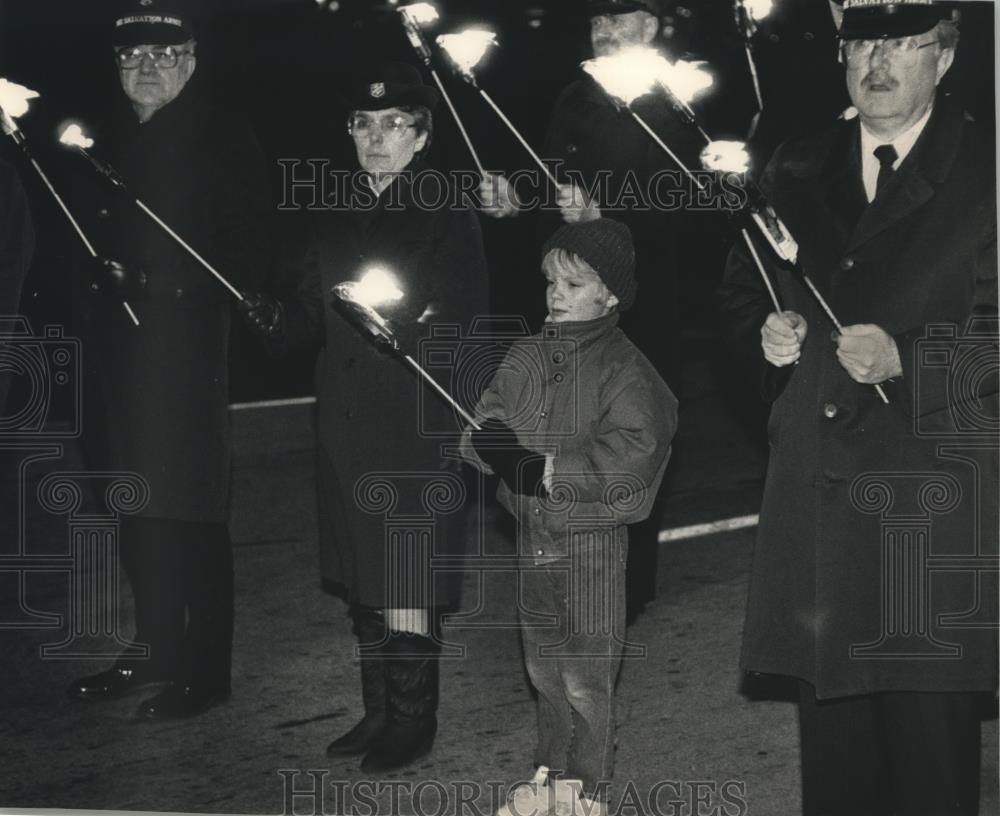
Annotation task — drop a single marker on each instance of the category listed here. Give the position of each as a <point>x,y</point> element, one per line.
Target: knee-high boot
<point>369,625</point>
<point>411,703</point>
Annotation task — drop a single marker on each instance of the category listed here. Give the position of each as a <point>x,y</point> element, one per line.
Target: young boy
<point>578,426</point>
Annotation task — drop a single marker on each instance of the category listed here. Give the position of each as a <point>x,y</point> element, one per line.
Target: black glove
<point>112,278</point>
<point>522,469</point>
<point>264,315</point>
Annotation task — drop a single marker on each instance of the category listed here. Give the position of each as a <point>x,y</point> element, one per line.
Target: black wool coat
<point>382,433</point>
<point>875,563</point>
<point>164,384</point>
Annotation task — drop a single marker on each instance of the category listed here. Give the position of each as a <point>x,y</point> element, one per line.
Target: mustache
<point>877,78</point>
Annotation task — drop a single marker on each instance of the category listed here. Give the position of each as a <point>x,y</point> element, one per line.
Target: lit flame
<point>467,49</point>
<point>420,13</point>
<point>74,136</point>
<point>376,287</point>
<point>686,80</point>
<point>759,9</point>
<point>634,72</point>
<point>14,98</point>
<point>726,157</point>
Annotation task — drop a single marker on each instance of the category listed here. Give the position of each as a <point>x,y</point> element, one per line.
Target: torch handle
<point>451,401</point>
<point>664,146</point>
<point>166,228</point>
<point>458,121</point>
<point>760,268</point>
<point>69,216</point>
<point>520,138</point>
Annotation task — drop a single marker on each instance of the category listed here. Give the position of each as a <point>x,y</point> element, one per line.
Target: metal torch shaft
<point>190,250</point>
<point>665,147</point>
<point>760,268</point>
<point>448,397</point>
<point>520,138</point>
<point>21,142</point>
<point>458,121</point>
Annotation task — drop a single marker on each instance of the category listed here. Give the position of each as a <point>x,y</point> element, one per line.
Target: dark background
<point>285,63</point>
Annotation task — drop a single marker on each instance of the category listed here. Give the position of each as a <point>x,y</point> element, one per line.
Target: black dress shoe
<point>178,701</point>
<point>111,684</point>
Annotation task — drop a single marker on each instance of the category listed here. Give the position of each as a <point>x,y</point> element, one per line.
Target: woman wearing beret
<point>388,495</point>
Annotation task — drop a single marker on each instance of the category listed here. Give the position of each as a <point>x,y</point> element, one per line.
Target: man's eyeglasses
<point>391,125</point>
<point>162,57</point>
<point>902,51</point>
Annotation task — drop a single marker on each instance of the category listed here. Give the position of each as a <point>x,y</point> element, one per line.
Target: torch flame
<point>634,72</point>
<point>14,98</point>
<point>420,13</point>
<point>74,136</point>
<point>726,157</point>
<point>376,287</point>
<point>685,80</point>
<point>467,49</point>
<point>759,9</point>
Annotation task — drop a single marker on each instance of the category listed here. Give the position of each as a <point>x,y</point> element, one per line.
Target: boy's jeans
<point>574,662</point>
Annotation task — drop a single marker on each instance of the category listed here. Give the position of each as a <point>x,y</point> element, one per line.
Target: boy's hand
<point>523,470</point>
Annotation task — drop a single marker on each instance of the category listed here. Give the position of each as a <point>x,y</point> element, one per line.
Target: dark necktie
<point>886,155</point>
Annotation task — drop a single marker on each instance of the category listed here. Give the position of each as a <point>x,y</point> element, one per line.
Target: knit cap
<point>606,245</point>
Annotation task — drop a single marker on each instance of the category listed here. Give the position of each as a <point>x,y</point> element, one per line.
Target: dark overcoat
<point>383,469</point>
<point>164,384</point>
<point>875,560</point>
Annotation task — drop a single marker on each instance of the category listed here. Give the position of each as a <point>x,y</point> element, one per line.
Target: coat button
<point>558,378</point>
<point>830,411</point>
<point>95,287</point>
<point>847,264</point>
<point>104,212</point>
<point>571,148</point>
<point>559,357</point>
<point>537,511</point>
<point>540,552</point>
<point>179,293</point>
<point>544,414</point>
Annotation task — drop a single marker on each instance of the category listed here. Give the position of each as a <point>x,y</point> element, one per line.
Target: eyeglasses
<point>902,51</point>
<point>162,57</point>
<point>391,125</point>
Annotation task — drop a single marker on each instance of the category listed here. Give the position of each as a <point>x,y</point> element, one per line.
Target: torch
<point>466,51</point>
<point>13,105</point>
<point>414,16</point>
<point>635,72</point>
<point>378,287</point>
<point>748,13</point>
<point>73,136</point>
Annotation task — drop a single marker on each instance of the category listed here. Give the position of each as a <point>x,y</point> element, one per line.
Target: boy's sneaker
<point>529,799</point>
<point>569,802</point>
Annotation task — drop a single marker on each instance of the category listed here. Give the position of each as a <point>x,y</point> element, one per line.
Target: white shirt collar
<point>903,143</point>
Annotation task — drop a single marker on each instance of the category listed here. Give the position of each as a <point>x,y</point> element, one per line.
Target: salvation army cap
<point>391,85</point>
<point>879,19</point>
<point>151,22</point>
<point>595,7</point>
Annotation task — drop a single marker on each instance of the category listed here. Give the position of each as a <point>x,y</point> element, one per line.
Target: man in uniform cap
<point>163,385</point>
<point>894,210</point>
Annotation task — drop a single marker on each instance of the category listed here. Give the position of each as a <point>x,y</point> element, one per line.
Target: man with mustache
<point>894,211</point>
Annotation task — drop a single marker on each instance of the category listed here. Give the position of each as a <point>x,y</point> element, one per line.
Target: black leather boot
<point>369,626</point>
<point>411,673</point>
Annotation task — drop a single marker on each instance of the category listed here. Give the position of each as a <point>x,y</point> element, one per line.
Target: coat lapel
<point>913,183</point>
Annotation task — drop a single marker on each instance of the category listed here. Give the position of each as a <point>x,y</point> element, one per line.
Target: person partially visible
<point>894,210</point>
<point>17,243</point>
<point>163,385</point>
<point>578,425</point>
<point>374,415</point>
